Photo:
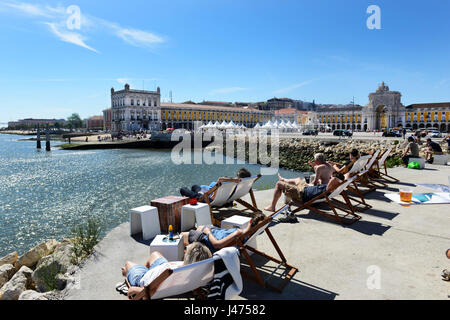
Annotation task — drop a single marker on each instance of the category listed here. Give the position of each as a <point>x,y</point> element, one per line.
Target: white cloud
<point>226,90</point>
<point>56,20</point>
<point>71,37</point>
<point>29,9</point>
<point>295,86</point>
<point>138,38</point>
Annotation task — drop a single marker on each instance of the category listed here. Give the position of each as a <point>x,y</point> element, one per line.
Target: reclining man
<point>298,190</point>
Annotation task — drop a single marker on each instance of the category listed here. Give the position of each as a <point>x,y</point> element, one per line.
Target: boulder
<point>32,257</point>
<point>9,259</point>
<point>46,274</point>
<point>32,295</point>
<point>6,273</point>
<point>19,283</point>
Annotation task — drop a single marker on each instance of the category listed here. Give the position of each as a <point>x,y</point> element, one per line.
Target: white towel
<point>230,257</point>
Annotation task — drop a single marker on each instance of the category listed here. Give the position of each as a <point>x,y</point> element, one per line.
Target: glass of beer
<point>406,194</point>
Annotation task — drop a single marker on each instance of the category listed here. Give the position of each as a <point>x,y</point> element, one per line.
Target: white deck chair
<point>358,172</point>
<point>180,280</point>
<point>365,176</point>
<point>227,192</point>
<point>359,165</point>
<point>334,204</point>
<point>222,192</point>
<point>242,189</point>
<point>382,162</point>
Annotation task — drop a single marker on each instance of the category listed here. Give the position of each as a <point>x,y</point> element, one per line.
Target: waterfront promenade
<point>406,245</point>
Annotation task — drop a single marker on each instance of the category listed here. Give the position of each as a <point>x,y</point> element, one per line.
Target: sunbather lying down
<point>301,192</point>
<point>140,276</point>
<point>217,238</point>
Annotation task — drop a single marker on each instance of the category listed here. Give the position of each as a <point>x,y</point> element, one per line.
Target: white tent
<point>216,125</point>
<point>267,125</point>
<point>289,125</point>
<point>257,126</point>
<point>230,125</point>
<point>223,125</point>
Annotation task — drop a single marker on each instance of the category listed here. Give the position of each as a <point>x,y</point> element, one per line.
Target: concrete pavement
<point>393,252</point>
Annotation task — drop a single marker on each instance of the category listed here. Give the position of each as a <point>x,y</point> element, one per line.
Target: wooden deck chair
<point>363,178</point>
<point>371,170</point>
<point>227,192</point>
<point>330,198</point>
<point>179,281</point>
<point>242,242</point>
<point>355,171</point>
<point>244,187</point>
<point>384,176</point>
<point>220,194</point>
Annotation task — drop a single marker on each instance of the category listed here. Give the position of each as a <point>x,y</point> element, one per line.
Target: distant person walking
<point>404,133</point>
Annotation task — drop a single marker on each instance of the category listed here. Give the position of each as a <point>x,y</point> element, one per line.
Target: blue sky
<point>218,50</point>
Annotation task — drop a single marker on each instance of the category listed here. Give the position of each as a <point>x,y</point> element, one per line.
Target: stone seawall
<point>294,154</point>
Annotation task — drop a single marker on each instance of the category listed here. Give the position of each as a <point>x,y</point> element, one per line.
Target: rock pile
<point>294,154</point>
<point>38,273</point>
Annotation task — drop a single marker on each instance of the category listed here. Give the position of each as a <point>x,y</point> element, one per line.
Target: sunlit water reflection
<point>44,194</point>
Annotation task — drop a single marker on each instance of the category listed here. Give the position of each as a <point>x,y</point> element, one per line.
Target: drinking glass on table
<point>406,194</point>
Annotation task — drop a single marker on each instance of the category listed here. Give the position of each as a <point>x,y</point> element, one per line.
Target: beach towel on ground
<point>422,198</point>
<point>227,282</point>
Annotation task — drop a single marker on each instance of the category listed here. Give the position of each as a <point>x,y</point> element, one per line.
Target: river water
<point>43,195</point>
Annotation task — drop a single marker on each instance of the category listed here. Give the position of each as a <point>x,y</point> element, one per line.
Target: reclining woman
<point>217,238</point>
<point>140,276</point>
<point>347,166</point>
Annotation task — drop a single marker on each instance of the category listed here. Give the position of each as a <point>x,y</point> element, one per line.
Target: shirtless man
<point>324,172</point>
<point>322,169</point>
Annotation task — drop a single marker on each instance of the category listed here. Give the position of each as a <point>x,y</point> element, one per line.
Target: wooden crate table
<point>169,211</point>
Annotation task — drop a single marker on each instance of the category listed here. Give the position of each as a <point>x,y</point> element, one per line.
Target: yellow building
<point>385,111</point>
<point>433,116</point>
<point>183,115</point>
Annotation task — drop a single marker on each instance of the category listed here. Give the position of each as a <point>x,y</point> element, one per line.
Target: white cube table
<point>440,159</point>
<point>172,251</point>
<point>145,219</point>
<point>421,161</point>
<point>192,216</point>
<point>240,222</point>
